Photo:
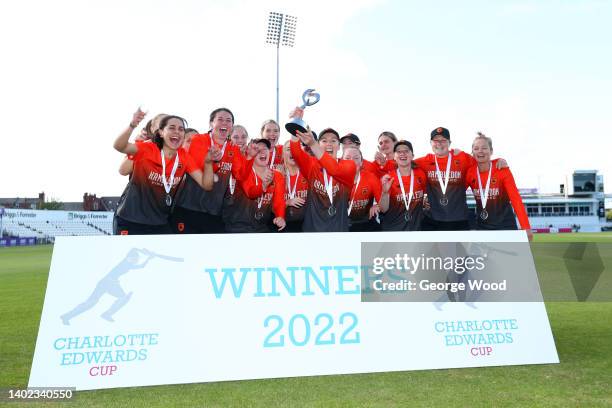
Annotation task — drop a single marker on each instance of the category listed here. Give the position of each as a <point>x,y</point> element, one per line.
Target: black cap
<point>329,130</point>
<point>352,137</point>
<point>404,143</point>
<point>440,131</point>
<point>264,141</point>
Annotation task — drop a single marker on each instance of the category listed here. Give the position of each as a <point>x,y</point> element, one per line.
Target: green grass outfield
<point>582,331</point>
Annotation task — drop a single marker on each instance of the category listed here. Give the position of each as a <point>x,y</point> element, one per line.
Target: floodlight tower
<point>281,31</point>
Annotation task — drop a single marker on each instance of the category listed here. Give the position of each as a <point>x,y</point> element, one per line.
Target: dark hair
<point>263,141</point>
<point>407,144</point>
<point>390,135</point>
<point>329,130</point>
<point>403,143</point>
<point>216,111</point>
<point>164,122</point>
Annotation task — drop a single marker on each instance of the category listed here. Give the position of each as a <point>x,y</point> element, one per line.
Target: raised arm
<point>386,183</point>
<point>122,143</point>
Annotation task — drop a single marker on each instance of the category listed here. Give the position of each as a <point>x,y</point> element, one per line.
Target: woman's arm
<point>122,143</point>
<point>386,182</point>
<point>517,202</point>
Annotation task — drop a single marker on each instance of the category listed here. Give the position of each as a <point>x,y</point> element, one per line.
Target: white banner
<point>57,215</point>
<point>146,310</point>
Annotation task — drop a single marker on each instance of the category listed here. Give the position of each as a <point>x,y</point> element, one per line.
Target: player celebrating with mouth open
<point>364,195</point>
<point>197,211</point>
<point>329,181</point>
<point>494,191</point>
<point>296,191</point>
<point>403,190</point>
<point>258,196</point>
<point>158,170</point>
<point>271,132</point>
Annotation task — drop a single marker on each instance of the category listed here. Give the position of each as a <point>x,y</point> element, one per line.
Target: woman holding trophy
<point>329,181</point>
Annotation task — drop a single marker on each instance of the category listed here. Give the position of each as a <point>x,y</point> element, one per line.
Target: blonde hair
<point>267,122</point>
<point>483,137</point>
<point>241,128</point>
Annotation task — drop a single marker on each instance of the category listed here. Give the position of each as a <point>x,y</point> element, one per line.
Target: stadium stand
<point>46,225</point>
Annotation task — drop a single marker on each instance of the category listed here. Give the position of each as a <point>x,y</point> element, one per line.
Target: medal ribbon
<point>168,185</point>
<point>329,187</point>
<point>261,197</point>
<point>443,184</point>
<point>354,191</point>
<point>291,191</point>
<point>484,196</point>
<point>273,157</point>
<point>410,193</point>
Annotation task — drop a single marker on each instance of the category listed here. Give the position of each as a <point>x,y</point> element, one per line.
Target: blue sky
<point>535,76</point>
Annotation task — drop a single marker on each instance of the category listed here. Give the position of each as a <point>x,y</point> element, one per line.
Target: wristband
<point>133,126</point>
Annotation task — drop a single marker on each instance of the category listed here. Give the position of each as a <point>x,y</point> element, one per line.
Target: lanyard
<point>289,189</point>
<point>484,195</point>
<point>329,187</point>
<point>354,192</point>
<point>168,185</point>
<point>410,194</point>
<point>443,184</point>
<point>261,197</point>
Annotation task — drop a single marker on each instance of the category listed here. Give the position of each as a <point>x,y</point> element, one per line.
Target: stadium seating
<point>49,229</point>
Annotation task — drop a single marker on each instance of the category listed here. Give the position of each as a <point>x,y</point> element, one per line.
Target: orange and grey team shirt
<point>502,193</point>
<point>397,218</point>
<point>298,185</point>
<point>378,170</point>
<point>363,195</point>
<point>277,155</point>
<point>456,207</point>
<point>320,215</point>
<point>144,199</point>
<point>253,207</point>
<point>233,162</point>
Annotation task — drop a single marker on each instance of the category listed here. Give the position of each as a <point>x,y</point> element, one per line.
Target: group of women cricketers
<point>182,181</point>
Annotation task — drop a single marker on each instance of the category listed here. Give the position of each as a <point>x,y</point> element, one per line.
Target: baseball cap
<point>352,137</point>
<point>329,130</point>
<point>264,141</point>
<point>404,143</point>
<point>440,131</point>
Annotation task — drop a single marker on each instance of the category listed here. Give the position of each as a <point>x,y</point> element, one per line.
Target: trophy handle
<point>310,97</point>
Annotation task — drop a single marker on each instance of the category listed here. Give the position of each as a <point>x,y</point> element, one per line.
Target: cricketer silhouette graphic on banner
<point>109,284</point>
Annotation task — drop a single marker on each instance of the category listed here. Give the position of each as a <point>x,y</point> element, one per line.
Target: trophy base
<point>295,125</point>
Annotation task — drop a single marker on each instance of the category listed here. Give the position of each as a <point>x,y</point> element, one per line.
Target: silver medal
<point>168,200</point>
<point>407,216</point>
<point>484,215</point>
<point>258,215</point>
<point>331,211</point>
<point>444,201</point>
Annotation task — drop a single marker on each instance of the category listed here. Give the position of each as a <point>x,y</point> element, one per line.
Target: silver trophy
<point>310,97</point>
